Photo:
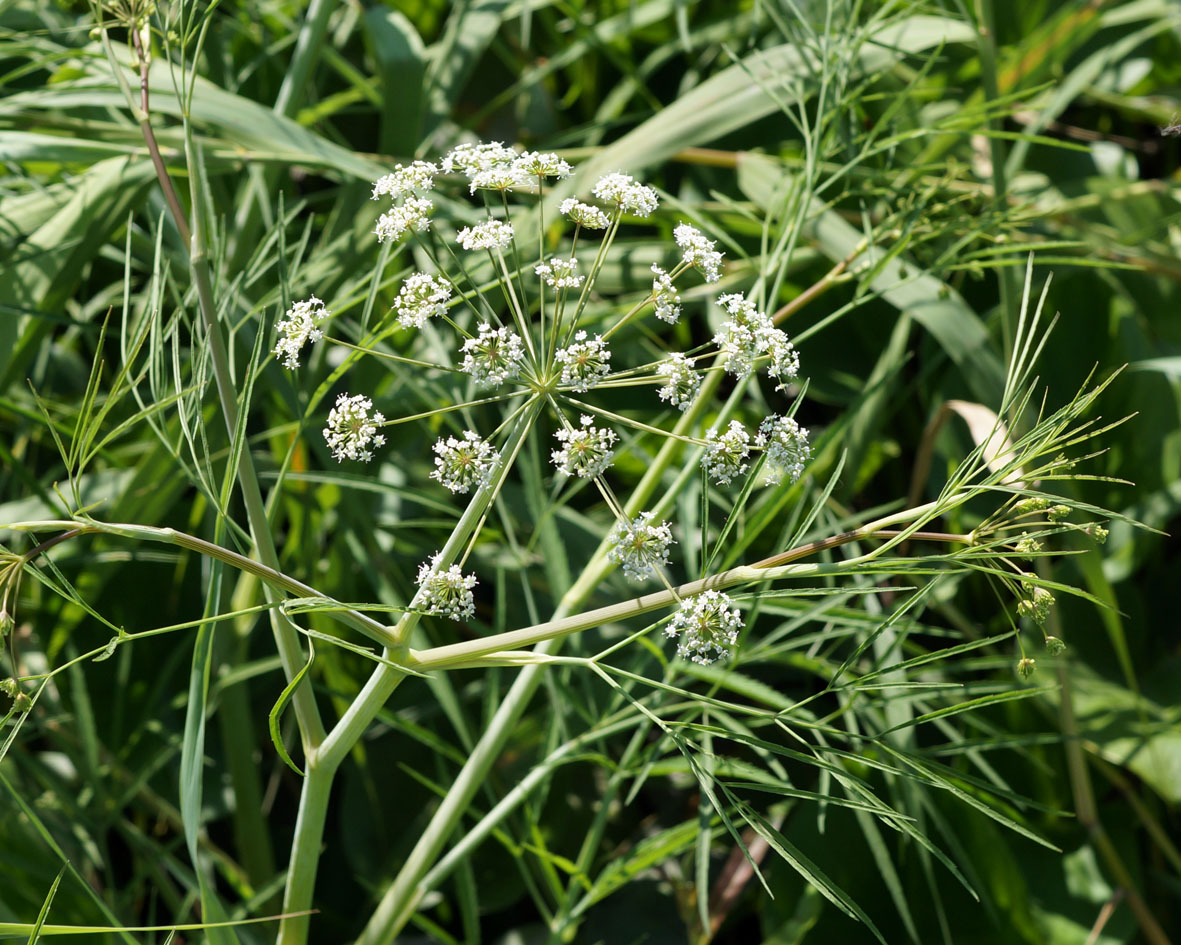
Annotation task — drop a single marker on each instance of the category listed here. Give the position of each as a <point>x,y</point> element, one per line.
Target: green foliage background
<point>298,109</point>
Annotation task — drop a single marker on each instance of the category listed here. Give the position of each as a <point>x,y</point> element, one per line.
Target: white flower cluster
<point>415,178</point>
<point>681,380</point>
<point>421,297</point>
<point>627,194</point>
<point>698,251</point>
<point>786,446</point>
<point>500,177</point>
<point>299,327</point>
<point>351,432</point>
<point>411,216</point>
<point>726,453</point>
<point>706,627</point>
<point>473,158</point>
<point>664,296</point>
<point>494,166</point>
<point>494,356</point>
<point>491,234</point>
<point>583,214</point>
<point>446,593</point>
<point>560,273</point>
<point>585,362</point>
<point>542,164</point>
<point>586,451</point>
<point>749,336</point>
<point>461,464</point>
<point>638,546</point>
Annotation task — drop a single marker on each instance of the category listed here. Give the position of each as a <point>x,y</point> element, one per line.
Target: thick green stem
<point>469,652</point>
<point>401,899</point>
<point>324,762</point>
<point>403,896</point>
<point>305,845</point>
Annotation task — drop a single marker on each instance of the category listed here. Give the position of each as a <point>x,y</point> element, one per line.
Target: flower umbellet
<point>533,331</point>
<point>301,326</point>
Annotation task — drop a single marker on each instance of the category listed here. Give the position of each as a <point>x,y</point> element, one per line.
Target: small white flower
<point>682,381</point>
<point>725,454</point>
<point>631,197</point>
<point>414,178</point>
<point>743,311</point>
<point>745,337</point>
<point>665,298</point>
<point>592,218</point>
<point>500,177</point>
<point>461,464</point>
<point>300,327</point>
<point>698,251</point>
<point>422,296</point>
<point>408,217</point>
<point>560,273</point>
<point>473,158</point>
<point>586,451</point>
<point>494,356</point>
<point>584,363</point>
<point>446,593</point>
<point>706,627</point>
<point>786,444</point>
<point>638,546</point>
<point>784,360</point>
<point>491,234</point>
<point>542,164</point>
<point>351,431</point>
<point>739,346</point>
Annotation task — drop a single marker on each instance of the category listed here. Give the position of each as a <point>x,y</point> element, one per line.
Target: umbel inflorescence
<point>529,329</point>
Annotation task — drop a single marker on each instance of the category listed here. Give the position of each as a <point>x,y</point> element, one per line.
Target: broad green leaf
<point>401,61</point>
<point>42,272</point>
<point>735,97</point>
<point>470,28</point>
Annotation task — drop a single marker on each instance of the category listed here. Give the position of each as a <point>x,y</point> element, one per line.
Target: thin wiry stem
<point>286,638</point>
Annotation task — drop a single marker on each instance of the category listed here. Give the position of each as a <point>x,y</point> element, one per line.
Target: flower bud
<point>6,623</point>
<point>1027,547</point>
<point>1026,667</point>
<point>1054,646</point>
<point>1037,608</point>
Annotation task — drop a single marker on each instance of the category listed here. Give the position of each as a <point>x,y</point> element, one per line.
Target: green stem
<point>469,652</point>
<point>323,763</point>
<point>305,845</point>
<point>286,637</point>
<point>273,579</point>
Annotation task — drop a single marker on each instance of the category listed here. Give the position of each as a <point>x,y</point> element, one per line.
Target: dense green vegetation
<point>898,184</point>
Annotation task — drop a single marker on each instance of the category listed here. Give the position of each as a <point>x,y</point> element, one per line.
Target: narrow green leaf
<point>281,704</point>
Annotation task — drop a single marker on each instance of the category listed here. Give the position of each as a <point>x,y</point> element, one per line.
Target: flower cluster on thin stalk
<point>1022,529</point>
<point>526,336</point>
